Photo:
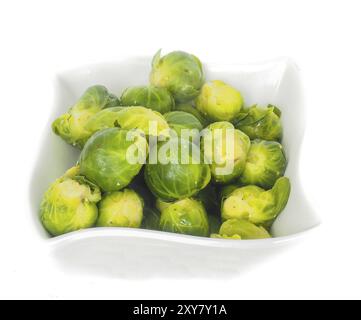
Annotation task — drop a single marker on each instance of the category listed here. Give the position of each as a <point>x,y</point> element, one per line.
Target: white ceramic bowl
<point>136,252</point>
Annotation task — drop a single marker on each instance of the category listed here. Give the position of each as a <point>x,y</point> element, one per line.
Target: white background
<point>39,38</point>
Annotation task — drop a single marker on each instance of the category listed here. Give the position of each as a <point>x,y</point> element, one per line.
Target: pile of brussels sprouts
<point>105,190</point>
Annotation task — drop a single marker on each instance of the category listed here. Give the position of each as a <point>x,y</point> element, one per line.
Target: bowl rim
<point>118,232</point>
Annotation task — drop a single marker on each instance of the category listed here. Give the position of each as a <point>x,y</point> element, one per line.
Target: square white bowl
<point>125,251</point>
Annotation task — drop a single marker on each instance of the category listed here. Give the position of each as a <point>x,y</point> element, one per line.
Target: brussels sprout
<point>162,205</point>
<point>105,159</point>
<point>236,204</point>
<point>207,196</point>
<point>219,236</point>
<point>69,204</point>
<point>157,99</point>
<point>179,72</point>
<point>177,179</point>
<point>185,216</point>
<point>71,125</point>
<point>130,118</point>
<point>189,108</point>
<point>151,219</point>
<point>179,120</point>
<point>266,162</point>
<point>226,165</point>
<point>261,123</point>
<point>241,229</point>
<point>219,101</point>
<point>256,205</point>
<point>209,199</point>
<point>121,209</point>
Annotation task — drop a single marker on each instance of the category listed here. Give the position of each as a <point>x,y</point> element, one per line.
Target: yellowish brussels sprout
<point>157,99</point>
<point>179,72</point>
<point>186,216</point>
<point>256,205</point>
<point>241,230</point>
<point>71,125</point>
<point>266,162</point>
<point>223,236</point>
<point>162,205</point>
<point>148,121</point>
<point>226,149</point>
<point>69,204</point>
<point>261,123</point>
<point>219,101</point>
<point>121,209</point>
<point>236,205</point>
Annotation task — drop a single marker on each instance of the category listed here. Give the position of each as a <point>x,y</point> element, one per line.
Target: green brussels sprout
<point>157,99</point>
<point>219,101</point>
<point>241,229</point>
<point>214,218</point>
<point>186,216</point>
<point>266,162</point>
<point>189,108</point>
<point>151,219</point>
<point>177,179</point>
<point>261,123</point>
<point>121,209</point>
<point>186,123</point>
<point>256,205</point>
<point>129,118</point>
<point>71,125</point>
<point>69,204</point>
<point>105,159</point>
<point>207,196</point>
<point>226,166</point>
<point>179,72</point>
